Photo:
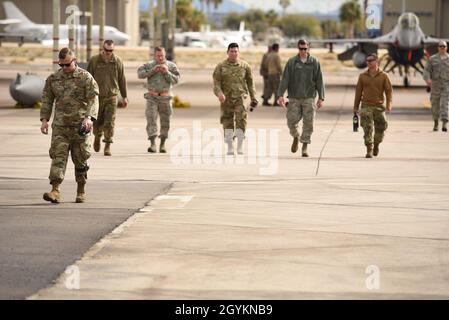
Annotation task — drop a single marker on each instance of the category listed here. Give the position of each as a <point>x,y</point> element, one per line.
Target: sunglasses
<point>108,50</point>
<point>441,46</point>
<point>62,65</point>
<point>303,49</point>
<point>370,60</point>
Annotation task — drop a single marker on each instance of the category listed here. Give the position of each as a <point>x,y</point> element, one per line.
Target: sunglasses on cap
<point>62,65</point>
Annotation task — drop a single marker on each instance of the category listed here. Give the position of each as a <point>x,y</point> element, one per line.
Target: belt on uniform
<point>158,94</point>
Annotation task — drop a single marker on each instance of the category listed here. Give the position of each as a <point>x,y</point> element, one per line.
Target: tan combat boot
<point>230,148</point>
<point>435,125</point>
<point>80,194</point>
<point>369,151</point>
<point>240,146</point>
<point>107,149</point>
<point>376,149</point>
<point>54,195</point>
<point>295,144</point>
<point>152,148</point>
<point>97,143</point>
<point>304,150</point>
<point>162,146</point>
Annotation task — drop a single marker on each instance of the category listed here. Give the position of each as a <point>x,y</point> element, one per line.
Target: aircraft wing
<point>386,39</point>
<point>431,40</point>
<point>10,21</point>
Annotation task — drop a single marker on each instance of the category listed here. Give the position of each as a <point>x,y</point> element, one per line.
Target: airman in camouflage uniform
<point>436,74</point>
<point>263,71</point>
<point>274,72</point>
<point>233,81</point>
<point>161,76</point>
<point>75,94</point>
<point>303,80</point>
<point>108,71</point>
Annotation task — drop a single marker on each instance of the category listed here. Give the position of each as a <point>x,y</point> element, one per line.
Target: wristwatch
<point>89,117</point>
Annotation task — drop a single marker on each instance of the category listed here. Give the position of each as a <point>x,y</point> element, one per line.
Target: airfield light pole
<point>56,13</point>
<point>166,28</point>
<point>151,27</point>
<point>90,8</point>
<point>102,23</point>
<point>72,26</point>
<point>158,21</point>
<point>171,17</point>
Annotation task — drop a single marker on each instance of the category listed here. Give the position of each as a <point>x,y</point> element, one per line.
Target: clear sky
<point>300,5</point>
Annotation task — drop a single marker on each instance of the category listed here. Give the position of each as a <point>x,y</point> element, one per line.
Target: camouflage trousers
<point>158,106</point>
<point>439,97</point>
<point>106,118</point>
<point>234,115</point>
<point>63,141</point>
<point>272,85</point>
<point>298,109</point>
<point>373,121</point>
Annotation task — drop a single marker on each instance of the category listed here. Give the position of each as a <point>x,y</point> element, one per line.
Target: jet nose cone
<point>123,37</point>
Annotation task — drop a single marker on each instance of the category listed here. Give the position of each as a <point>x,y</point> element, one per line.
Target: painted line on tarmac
<point>171,201</point>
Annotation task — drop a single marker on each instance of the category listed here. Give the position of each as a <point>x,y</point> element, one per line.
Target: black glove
<point>253,105</point>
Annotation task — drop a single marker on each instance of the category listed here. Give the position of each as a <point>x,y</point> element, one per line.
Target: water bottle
<point>355,122</point>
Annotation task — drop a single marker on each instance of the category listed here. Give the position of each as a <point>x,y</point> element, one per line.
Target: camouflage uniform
<point>111,79</point>
<point>235,81</point>
<point>274,75</point>
<point>437,70</point>
<point>373,120</point>
<point>159,105</point>
<point>303,80</point>
<point>264,73</point>
<point>76,97</point>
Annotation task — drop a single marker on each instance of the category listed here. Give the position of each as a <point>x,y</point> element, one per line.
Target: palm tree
<point>284,4</point>
<point>350,13</point>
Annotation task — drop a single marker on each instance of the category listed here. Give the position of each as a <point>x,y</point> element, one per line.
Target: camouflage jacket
<point>75,95</point>
<point>110,76</point>
<point>234,79</point>
<point>159,81</point>
<point>437,68</point>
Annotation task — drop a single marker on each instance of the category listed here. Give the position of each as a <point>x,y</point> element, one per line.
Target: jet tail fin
<point>242,26</point>
<point>14,13</point>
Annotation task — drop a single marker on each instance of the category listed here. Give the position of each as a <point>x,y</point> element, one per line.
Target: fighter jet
<point>21,28</point>
<point>215,39</point>
<point>407,47</point>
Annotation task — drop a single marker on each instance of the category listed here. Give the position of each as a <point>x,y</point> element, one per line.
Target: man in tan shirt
<point>371,87</point>
<point>274,71</point>
<point>107,69</point>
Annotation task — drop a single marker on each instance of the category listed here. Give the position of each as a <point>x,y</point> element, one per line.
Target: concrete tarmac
<point>335,225</point>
